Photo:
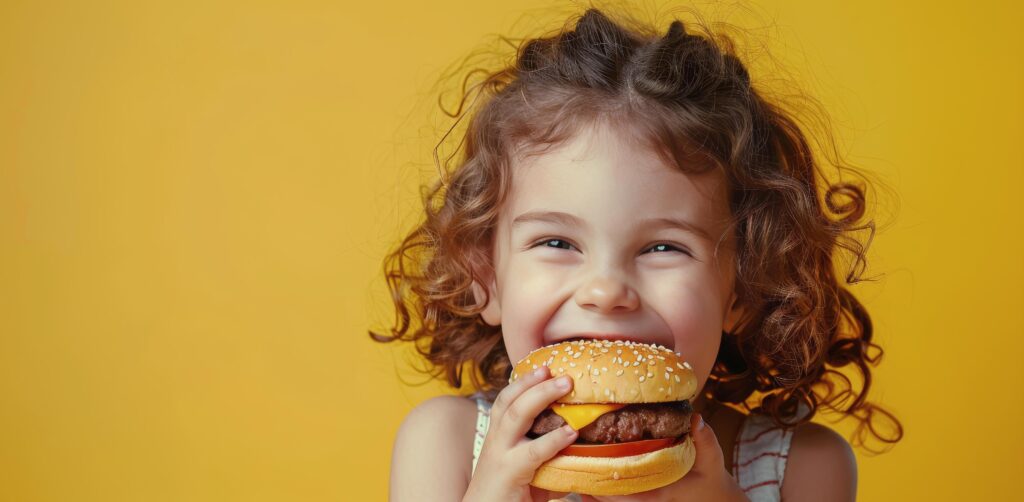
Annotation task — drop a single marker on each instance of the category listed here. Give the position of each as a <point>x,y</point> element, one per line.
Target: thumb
<point>709,457</point>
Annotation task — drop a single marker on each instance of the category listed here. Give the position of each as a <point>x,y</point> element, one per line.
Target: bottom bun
<point>616,475</point>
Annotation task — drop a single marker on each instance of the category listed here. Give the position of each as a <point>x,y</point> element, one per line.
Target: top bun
<point>605,371</point>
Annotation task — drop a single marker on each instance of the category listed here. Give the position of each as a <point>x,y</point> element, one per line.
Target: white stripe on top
<point>761,451</point>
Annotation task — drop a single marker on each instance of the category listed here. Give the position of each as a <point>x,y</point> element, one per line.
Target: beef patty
<point>632,422</point>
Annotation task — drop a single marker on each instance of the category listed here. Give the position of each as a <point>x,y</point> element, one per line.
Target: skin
<point>599,268</point>
<point>610,274</point>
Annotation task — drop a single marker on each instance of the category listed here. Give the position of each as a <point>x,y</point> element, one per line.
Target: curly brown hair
<point>693,99</point>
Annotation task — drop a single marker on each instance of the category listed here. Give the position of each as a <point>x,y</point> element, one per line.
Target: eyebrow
<point>567,219</point>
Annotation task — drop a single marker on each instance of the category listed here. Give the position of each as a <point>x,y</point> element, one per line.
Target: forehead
<point>606,175</point>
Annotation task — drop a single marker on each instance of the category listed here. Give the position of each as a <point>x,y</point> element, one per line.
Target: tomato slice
<point>617,449</point>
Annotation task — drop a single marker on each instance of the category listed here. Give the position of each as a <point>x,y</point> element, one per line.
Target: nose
<point>607,294</point>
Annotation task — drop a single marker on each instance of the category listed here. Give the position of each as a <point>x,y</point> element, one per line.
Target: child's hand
<point>706,481</point>
<point>509,459</point>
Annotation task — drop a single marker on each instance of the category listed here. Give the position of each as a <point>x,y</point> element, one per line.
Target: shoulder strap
<point>761,452</point>
<point>483,421</point>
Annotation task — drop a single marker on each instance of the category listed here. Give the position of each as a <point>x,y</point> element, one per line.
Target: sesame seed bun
<point>605,371</point>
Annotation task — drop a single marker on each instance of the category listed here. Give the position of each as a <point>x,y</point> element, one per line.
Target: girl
<point>622,184</point>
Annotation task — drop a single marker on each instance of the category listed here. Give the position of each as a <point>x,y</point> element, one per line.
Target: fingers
<point>521,462</point>
<point>524,410</point>
<point>508,457</point>
<point>518,405</point>
<point>514,390</point>
<point>542,495</point>
<point>709,457</point>
<point>540,450</point>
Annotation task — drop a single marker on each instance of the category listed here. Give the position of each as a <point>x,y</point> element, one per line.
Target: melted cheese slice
<point>579,416</point>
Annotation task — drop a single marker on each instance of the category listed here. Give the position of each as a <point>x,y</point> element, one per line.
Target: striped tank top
<point>760,452</point>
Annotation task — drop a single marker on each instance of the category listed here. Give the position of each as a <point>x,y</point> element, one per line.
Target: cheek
<point>694,315</point>
<point>527,306</point>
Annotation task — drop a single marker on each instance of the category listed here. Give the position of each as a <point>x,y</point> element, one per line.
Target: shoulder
<point>821,463</point>
<point>439,428</point>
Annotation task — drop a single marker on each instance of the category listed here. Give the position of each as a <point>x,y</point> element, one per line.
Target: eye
<point>555,243</point>
<point>660,248</point>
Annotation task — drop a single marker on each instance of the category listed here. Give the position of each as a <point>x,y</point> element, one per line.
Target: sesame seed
<point>564,359</point>
<point>681,366</point>
<point>595,372</point>
<point>635,353</point>
<point>554,352</point>
<point>619,351</point>
<point>604,369</point>
<point>572,364</point>
<point>668,369</point>
<point>636,363</point>
<point>650,375</point>
<point>618,373</point>
<point>561,370</point>
<point>687,365</point>
<point>666,376</point>
<point>641,378</point>
<point>677,378</point>
<point>534,366</point>
<point>576,355</point>
<point>652,362</point>
<point>579,374</point>
<point>661,389</point>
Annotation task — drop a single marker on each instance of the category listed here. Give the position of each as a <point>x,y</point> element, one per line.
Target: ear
<point>492,311</point>
<point>734,314</point>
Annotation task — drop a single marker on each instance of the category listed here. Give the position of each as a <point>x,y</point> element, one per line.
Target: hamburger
<point>631,405</point>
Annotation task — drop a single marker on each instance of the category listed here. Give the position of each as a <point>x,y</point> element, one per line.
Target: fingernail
<point>540,371</point>
<point>562,382</point>
<point>569,431</point>
<point>700,422</point>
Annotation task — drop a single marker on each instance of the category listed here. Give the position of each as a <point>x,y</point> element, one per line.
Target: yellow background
<point>195,199</point>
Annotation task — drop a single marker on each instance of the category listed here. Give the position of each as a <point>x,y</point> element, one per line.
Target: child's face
<point>607,267</point>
